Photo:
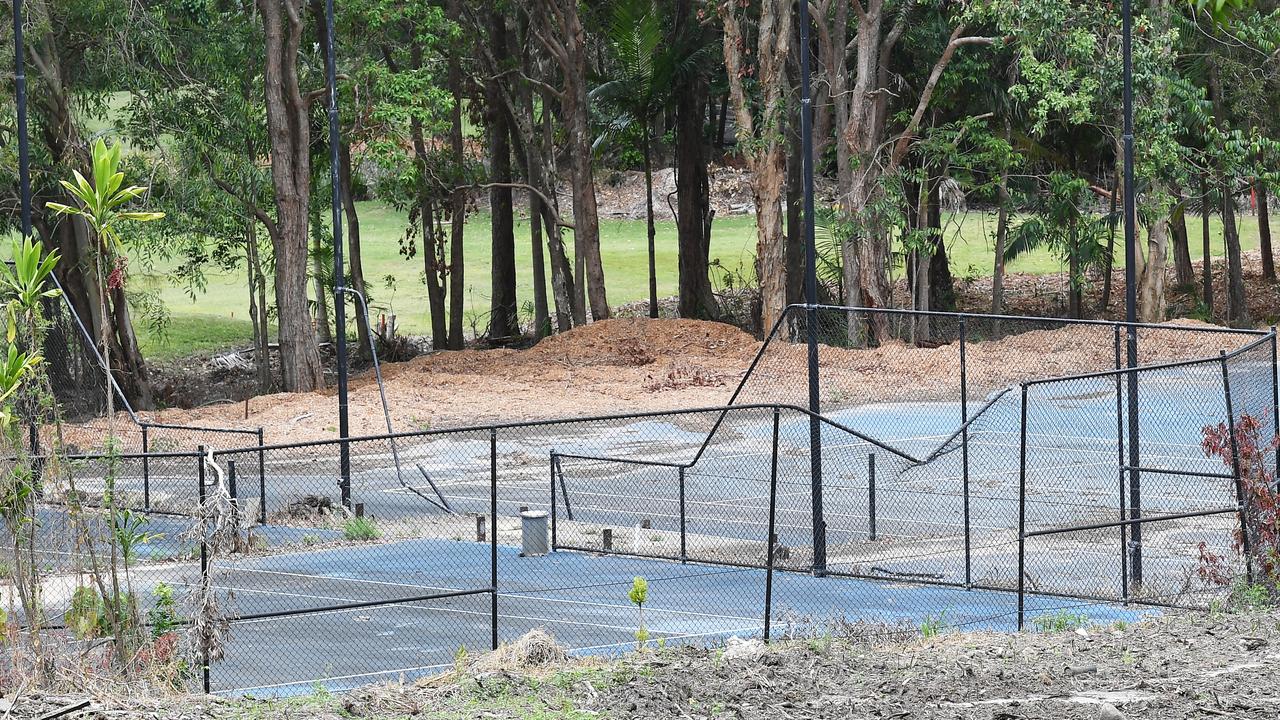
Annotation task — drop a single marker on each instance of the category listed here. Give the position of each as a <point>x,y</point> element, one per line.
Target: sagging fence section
<point>969,500</point>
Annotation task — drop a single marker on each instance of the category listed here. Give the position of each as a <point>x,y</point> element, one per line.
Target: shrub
<point>362,529</point>
<point>1259,537</point>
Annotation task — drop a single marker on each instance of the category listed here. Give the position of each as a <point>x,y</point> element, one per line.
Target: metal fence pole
<point>1235,470</point>
<point>771,539</point>
<point>204,559</point>
<point>262,479</point>
<point>1124,538</point>
<point>493,535</point>
<point>231,483</point>
<point>684,547</point>
<point>871,495</point>
<point>1022,512</point>
<point>553,462</point>
<point>1275,406</point>
<point>1134,459</point>
<point>146,469</point>
<point>964,457</point>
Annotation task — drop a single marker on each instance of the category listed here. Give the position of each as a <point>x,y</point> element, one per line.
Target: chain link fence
<point>961,472</point>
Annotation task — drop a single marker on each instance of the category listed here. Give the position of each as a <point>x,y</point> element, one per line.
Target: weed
<point>163,615</point>
<point>638,594</point>
<point>361,529</point>
<point>310,540</point>
<point>933,624</point>
<point>1060,621</point>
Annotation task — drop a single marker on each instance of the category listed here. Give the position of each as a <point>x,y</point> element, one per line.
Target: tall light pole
<point>1130,300</point>
<point>339,277</point>
<point>811,299</point>
<point>20,84</point>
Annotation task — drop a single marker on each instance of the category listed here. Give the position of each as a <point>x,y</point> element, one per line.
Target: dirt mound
<point>605,367</point>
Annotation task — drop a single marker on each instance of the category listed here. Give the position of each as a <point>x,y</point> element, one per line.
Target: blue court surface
<point>579,598</point>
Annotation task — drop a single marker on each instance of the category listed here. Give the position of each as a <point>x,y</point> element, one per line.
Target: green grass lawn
<point>218,316</point>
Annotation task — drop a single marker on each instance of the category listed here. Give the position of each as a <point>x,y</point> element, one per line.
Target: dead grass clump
<point>535,650</point>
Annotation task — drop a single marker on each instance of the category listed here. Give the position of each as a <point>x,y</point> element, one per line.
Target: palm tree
<point>647,64</point>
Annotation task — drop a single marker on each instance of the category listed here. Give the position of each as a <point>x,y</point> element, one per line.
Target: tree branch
<point>547,204</point>
<point>926,95</point>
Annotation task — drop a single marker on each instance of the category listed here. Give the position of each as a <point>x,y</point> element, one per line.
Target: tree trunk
<point>1002,237</point>
<point>354,259</point>
<point>692,197</point>
<point>1237,310</point>
<point>289,133</point>
<point>1151,295</point>
<point>318,271</point>
<point>258,309</point>
<point>503,322</point>
<point>1112,224</point>
<point>1264,234</point>
<point>1184,275</point>
<point>458,214</point>
<point>1206,251</point>
<point>565,38</point>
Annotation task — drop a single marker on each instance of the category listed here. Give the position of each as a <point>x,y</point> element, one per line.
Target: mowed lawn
<point>218,316</point>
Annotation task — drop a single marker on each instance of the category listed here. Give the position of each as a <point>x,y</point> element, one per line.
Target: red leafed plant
<point>1260,500</point>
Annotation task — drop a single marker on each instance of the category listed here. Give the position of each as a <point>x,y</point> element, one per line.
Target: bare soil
<point>1170,668</point>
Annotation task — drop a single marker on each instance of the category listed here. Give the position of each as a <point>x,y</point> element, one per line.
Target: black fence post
<point>204,559</point>
<point>815,438</point>
<point>262,480</point>
<point>232,490</point>
<point>964,456</point>
<point>771,540</point>
<point>871,496</point>
<point>1134,458</point>
<point>684,546</point>
<point>554,460</point>
<point>1235,470</point>
<point>493,535</point>
<point>1275,406</point>
<point>37,463</point>
<point>146,469</point>
<point>1022,512</point>
<point>1124,536</point>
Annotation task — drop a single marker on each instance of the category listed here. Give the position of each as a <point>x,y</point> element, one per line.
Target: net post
<point>493,536</point>
<point>1022,512</point>
<point>1235,469</point>
<point>771,539</point>
<point>554,460</point>
<point>684,547</point>
<point>964,456</point>
<point>146,469</point>
<point>1124,539</point>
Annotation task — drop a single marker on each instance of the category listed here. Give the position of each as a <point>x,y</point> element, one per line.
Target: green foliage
<point>362,529</point>
<point>639,591</point>
<point>130,532</point>
<point>100,203</point>
<point>1060,621</point>
<point>163,615</point>
<point>1062,222</point>
<point>933,625</point>
<point>638,595</point>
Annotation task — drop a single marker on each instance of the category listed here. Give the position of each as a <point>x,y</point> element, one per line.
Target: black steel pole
<point>811,299</point>
<point>20,88</point>
<point>339,276</point>
<point>1131,301</point>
